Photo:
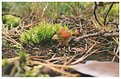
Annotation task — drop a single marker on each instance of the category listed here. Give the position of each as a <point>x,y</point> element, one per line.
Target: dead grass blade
<point>116,54</point>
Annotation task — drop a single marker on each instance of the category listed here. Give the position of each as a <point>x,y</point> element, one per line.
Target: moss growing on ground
<point>40,33</point>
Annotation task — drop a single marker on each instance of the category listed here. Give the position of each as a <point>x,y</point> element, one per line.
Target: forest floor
<point>97,47</point>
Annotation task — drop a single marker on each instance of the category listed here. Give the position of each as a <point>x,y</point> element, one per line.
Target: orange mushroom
<point>66,34</point>
<point>61,30</point>
<point>63,36</point>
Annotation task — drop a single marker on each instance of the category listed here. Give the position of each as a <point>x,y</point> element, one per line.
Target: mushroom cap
<point>55,37</point>
<point>66,34</point>
<point>61,30</point>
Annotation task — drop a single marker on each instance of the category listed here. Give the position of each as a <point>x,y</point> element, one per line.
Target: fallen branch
<point>104,34</point>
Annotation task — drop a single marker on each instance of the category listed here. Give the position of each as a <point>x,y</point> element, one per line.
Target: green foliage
<point>45,10</point>
<point>41,33</point>
<point>10,20</point>
<point>4,62</point>
<point>57,9</point>
<point>48,9</point>
<point>114,13</point>
<point>34,72</point>
<point>23,56</point>
<point>7,6</point>
<point>115,10</point>
<point>5,43</point>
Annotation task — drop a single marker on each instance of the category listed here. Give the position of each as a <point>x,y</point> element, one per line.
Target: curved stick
<point>105,17</point>
<point>94,12</point>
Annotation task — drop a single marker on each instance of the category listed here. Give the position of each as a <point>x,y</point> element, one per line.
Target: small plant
<point>23,57</point>
<point>41,33</point>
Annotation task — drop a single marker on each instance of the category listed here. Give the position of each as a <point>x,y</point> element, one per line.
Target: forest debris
<point>56,69</point>
<point>84,57</point>
<point>70,60</point>
<point>86,54</point>
<point>11,40</point>
<point>99,69</point>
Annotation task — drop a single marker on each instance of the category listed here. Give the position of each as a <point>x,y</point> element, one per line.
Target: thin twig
<point>95,51</point>
<point>94,12</point>
<point>105,17</point>
<point>71,59</point>
<point>62,68</point>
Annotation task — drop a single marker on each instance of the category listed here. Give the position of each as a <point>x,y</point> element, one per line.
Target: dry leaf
<point>99,69</point>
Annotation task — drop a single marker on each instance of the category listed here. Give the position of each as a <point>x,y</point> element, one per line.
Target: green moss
<point>11,20</point>
<point>41,33</point>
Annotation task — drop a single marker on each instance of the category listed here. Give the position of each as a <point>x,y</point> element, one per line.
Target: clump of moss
<point>11,20</point>
<point>40,33</point>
